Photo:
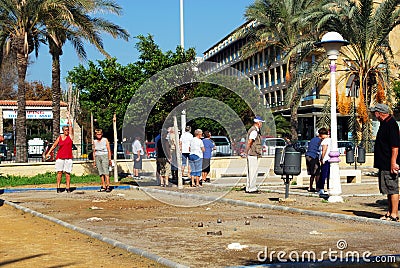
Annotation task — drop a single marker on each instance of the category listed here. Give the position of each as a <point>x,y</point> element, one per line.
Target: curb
<point>100,237</point>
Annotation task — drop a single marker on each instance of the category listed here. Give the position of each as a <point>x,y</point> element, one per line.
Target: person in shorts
<point>138,152</point>
<point>386,159</point>
<point>64,156</point>
<point>184,141</point>
<point>313,157</point>
<point>209,146</point>
<point>102,159</point>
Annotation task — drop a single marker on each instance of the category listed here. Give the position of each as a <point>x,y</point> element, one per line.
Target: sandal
<point>102,189</point>
<point>391,218</point>
<point>385,217</point>
<point>108,189</point>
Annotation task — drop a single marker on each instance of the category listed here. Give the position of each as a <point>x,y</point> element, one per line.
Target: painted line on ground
<point>100,237</point>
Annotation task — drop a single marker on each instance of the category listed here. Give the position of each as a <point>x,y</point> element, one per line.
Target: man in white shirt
<point>253,152</point>
<point>185,140</point>
<point>138,152</point>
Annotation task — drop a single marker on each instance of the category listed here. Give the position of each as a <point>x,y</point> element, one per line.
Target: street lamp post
<point>332,42</point>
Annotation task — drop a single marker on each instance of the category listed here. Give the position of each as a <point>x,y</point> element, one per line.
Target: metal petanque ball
<point>247,222</point>
<point>219,221</point>
<point>200,224</point>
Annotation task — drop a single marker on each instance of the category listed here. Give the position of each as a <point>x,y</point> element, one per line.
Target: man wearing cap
<point>253,152</point>
<point>386,159</point>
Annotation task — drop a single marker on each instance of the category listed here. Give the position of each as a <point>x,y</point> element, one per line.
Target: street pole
<point>332,42</point>
<point>178,153</point>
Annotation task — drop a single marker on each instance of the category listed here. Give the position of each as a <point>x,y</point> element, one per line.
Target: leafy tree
<point>37,91</point>
<point>108,87</point>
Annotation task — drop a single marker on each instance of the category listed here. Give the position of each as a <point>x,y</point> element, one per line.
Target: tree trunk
<point>294,122</point>
<point>22,64</point>
<point>56,94</point>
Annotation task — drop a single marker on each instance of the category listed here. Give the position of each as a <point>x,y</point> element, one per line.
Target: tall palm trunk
<point>56,93</point>
<point>22,64</point>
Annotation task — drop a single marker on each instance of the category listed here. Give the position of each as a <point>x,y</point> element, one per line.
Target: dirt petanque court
<point>213,226</point>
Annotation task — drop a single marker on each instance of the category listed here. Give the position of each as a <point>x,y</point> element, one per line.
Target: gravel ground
<point>196,232</point>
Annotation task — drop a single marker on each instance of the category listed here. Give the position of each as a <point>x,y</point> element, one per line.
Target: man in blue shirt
<point>209,145</point>
<point>312,157</point>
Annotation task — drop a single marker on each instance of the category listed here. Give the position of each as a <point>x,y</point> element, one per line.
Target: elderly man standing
<point>253,152</point>
<point>386,159</point>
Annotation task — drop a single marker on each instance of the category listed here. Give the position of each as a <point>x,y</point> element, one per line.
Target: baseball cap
<point>258,119</point>
<point>380,107</point>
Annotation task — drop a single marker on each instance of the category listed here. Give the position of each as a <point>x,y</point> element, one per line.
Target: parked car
<point>269,145</point>
<point>151,150</point>
<point>120,151</point>
<point>35,147</point>
<point>222,146</point>
<point>342,145</point>
<point>5,154</point>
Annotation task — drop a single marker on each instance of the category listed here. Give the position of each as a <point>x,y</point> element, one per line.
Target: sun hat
<point>258,119</point>
<point>380,107</point>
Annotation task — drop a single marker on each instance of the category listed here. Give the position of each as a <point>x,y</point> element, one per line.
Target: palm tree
<point>21,28</point>
<point>279,26</point>
<point>82,27</point>
<point>369,57</point>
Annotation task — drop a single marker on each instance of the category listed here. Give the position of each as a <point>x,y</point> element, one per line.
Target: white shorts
<point>64,165</point>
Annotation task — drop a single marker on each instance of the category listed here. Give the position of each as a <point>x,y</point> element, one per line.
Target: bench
<point>352,176</point>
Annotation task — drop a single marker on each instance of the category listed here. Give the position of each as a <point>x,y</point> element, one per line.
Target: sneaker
<point>321,192</point>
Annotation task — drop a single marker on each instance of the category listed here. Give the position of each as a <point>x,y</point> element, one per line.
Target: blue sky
<point>206,22</point>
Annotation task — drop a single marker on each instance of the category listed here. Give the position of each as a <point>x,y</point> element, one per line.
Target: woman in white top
<point>325,165</point>
<point>196,157</point>
<point>102,159</point>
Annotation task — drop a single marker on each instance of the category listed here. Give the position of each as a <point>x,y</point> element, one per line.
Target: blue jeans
<point>195,163</point>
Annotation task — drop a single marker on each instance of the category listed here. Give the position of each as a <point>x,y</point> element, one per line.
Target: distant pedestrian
<point>253,152</point>
<point>64,155</point>
<point>209,146</point>
<point>326,145</point>
<point>313,158</point>
<point>102,159</point>
<point>1,138</point>
<point>386,159</point>
<point>138,152</point>
<point>196,157</point>
<point>174,159</point>
<point>185,140</point>
<point>163,159</point>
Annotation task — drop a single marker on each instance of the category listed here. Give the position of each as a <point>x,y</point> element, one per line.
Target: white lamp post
<point>332,42</point>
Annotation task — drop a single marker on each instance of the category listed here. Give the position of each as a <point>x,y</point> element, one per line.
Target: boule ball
<point>247,222</point>
<point>200,224</point>
<point>219,221</point>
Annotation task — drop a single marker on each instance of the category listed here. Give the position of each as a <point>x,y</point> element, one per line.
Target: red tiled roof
<point>30,103</point>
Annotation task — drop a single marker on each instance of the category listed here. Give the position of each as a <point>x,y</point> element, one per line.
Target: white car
<point>269,145</point>
<point>222,146</point>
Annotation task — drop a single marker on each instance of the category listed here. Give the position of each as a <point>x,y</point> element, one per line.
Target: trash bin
<point>361,155</point>
<point>349,155</point>
<point>290,164</point>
